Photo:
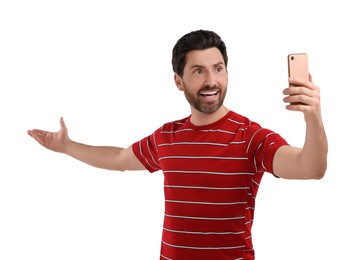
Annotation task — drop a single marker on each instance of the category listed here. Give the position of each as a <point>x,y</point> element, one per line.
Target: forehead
<point>205,58</point>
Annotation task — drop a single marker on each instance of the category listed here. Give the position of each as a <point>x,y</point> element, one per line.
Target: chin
<point>209,110</point>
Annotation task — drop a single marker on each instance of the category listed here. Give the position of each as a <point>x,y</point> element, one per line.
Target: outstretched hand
<point>55,141</point>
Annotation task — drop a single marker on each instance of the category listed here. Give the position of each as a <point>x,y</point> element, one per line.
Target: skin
<point>310,161</point>
<point>204,83</point>
<point>204,72</point>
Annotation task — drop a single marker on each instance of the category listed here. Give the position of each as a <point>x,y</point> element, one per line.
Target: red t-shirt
<point>212,175</point>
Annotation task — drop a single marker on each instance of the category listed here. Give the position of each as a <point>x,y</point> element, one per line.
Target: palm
<point>55,141</point>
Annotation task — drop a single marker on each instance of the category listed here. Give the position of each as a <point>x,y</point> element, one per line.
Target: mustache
<point>208,88</point>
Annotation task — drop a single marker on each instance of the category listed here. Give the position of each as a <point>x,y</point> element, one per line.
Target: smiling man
<point>204,80</point>
<point>214,159</point>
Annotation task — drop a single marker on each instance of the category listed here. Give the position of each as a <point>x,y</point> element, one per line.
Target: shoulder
<point>251,129</point>
<point>243,121</point>
<point>174,126</point>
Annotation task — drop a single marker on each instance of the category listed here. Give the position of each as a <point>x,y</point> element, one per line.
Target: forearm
<point>313,158</point>
<point>105,157</point>
<point>309,162</point>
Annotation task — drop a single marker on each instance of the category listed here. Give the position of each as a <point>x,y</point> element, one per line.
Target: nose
<point>211,80</point>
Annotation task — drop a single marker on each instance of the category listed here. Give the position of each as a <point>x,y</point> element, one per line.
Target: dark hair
<point>196,40</point>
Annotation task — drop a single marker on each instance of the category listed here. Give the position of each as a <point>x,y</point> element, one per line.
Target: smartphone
<point>298,65</point>
<point>298,68</point>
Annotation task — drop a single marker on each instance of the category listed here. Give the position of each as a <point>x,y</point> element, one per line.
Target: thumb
<point>62,124</point>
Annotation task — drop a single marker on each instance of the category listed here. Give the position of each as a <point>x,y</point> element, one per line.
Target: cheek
<point>193,83</point>
<point>224,81</point>
<point>197,82</point>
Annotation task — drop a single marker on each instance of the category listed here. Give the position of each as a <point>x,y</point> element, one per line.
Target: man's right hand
<point>55,141</point>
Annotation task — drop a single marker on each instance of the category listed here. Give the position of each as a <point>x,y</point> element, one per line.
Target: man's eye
<point>219,69</point>
<point>197,72</point>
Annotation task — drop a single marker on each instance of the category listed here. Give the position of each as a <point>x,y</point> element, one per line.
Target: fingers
<point>38,135</point>
<point>298,95</point>
<point>296,90</point>
<point>302,89</point>
<point>301,82</point>
<point>302,96</point>
<point>299,100</point>
<point>49,139</point>
<point>39,132</point>
<point>296,107</point>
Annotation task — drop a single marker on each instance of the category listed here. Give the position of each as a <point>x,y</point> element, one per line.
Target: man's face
<point>204,80</point>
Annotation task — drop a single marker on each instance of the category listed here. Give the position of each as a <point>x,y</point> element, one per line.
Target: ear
<point>178,82</point>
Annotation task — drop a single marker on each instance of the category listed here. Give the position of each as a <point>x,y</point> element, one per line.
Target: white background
<point>105,67</point>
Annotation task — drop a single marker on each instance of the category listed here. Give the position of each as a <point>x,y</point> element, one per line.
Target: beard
<point>199,102</point>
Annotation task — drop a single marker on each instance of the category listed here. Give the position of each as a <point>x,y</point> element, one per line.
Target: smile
<point>208,93</point>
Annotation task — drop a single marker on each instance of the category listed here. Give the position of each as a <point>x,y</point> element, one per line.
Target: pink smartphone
<point>298,65</point>
<point>298,68</point>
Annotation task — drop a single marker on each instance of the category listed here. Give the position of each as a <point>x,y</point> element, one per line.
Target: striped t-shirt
<point>211,177</point>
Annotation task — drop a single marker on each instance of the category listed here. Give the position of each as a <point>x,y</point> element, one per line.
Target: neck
<point>198,118</point>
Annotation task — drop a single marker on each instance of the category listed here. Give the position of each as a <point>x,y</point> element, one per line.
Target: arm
<point>309,162</point>
<point>105,157</point>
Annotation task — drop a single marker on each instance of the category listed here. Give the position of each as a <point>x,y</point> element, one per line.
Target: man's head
<point>196,40</point>
<point>200,65</point>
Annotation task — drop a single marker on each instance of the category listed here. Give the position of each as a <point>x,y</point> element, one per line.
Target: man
<point>214,159</point>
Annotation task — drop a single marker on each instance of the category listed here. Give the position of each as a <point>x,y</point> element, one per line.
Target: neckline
<point>209,126</point>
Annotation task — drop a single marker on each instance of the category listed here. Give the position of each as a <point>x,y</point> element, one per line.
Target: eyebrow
<point>201,66</point>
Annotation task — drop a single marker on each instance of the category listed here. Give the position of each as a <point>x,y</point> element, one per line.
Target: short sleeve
<point>146,151</point>
<point>263,143</point>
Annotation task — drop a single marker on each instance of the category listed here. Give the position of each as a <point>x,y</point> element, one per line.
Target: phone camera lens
<point>292,58</point>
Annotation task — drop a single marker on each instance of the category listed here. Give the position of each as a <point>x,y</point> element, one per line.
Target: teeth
<point>209,93</point>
